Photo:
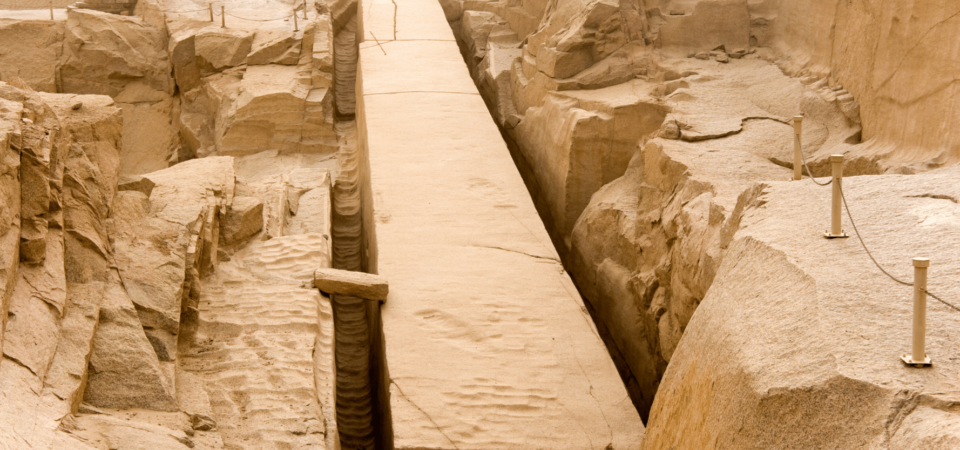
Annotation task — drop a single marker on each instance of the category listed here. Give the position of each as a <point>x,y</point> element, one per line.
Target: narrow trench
<point>362,416</point>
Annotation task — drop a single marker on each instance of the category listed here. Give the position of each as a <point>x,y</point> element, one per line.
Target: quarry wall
<point>879,51</point>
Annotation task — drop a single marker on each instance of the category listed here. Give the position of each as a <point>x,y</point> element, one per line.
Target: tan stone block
<point>355,284</point>
<point>244,219</point>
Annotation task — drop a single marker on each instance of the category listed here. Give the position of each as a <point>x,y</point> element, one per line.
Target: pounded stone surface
<point>487,342</point>
<point>258,308</point>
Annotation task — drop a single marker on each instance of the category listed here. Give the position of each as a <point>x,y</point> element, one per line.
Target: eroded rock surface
<point>55,220</point>
<point>168,196</point>
<point>31,51</point>
<point>824,326</point>
<point>700,95</point>
<point>102,272</point>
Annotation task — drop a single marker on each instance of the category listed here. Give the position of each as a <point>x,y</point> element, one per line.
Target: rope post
<point>918,357</point>
<point>304,11</point>
<point>51,9</point>
<point>836,161</point>
<point>295,26</point>
<point>797,157</point>
<point>223,17</point>
<point>211,12</point>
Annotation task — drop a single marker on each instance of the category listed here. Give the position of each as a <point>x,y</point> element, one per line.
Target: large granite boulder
<point>165,242</point>
<point>797,343</point>
<point>274,106</point>
<point>31,50</point>
<point>580,140</point>
<point>123,57</point>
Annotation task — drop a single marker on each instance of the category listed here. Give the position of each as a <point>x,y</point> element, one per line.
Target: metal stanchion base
<point>842,235</point>
<point>908,360</point>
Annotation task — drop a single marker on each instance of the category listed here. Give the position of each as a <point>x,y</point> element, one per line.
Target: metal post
<point>304,11</point>
<point>797,157</point>
<point>918,356</point>
<point>51,9</point>
<point>223,17</point>
<point>211,12</point>
<point>836,161</point>
<point>295,26</point>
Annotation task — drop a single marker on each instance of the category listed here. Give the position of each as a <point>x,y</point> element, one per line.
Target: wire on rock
<point>862,244</point>
<point>810,173</point>
<point>258,20</point>
<point>173,12</point>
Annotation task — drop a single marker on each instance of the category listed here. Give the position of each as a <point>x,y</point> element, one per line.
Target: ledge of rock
<point>355,284</point>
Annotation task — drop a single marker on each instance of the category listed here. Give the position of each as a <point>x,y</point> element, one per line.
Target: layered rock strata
<point>355,305</point>
<point>347,222</point>
<point>347,212</point>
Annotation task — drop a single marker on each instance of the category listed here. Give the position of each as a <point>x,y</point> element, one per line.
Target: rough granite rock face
<point>110,267</point>
<point>166,242</point>
<point>68,160</point>
<point>114,55</point>
<point>168,196</point>
<point>560,99</point>
<point>124,370</point>
<point>273,107</point>
<point>31,50</point>
<point>100,275</point>
<point>800,333</point>
<point>244,219</point>
<point>218,49</point>
<point>581,140</point>
<point>895,62</point>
